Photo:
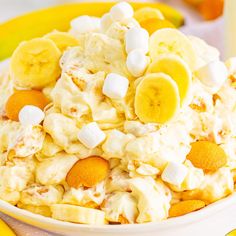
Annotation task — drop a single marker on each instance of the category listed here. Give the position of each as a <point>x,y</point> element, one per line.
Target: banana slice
<point>63,40</point>
<point>177,69</point>
<point>151,19</point>
<point>41,210</point>
<point>157,98</point>
<point>78,214</point>
<point>145,13</point>
<point>165,41</point>
<point>35,63</point>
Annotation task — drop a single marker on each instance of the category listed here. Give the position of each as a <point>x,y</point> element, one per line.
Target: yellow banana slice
<point>157,98</point>
<point>151,19</point>
<point>41,210</point>
<point>78,214</point>
<point>177,69</point>
<point>165,41</point>
<point>63,40</point>
<point>5,230</point>
<point>35,63</point>
<point>146,13</point>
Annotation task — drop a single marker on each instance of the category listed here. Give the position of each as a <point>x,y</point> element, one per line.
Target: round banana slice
<point>157,98</point>
<point>172,41</point>
<point>177,69</point>
<point>145,13</point>
<point>63,40</point>
<point>35,63</point>
<point>78,214</point>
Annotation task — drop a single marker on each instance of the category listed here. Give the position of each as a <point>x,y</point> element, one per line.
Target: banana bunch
<point>166,84</point>
<point>78,214</point>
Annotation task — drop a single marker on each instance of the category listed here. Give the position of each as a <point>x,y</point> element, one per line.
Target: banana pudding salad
<point>116,123</point>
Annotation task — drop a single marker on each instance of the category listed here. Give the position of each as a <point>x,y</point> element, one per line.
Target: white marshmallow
<point>137,38</point>
<point>91,135</point>
<point>115,86</point>
<point>31,115</point>
<point>121,11</point>
<point>85,24</point>
<point>214,74</point>
<point>106,21</point>
<point>174,173</point>
<point>137,62</point>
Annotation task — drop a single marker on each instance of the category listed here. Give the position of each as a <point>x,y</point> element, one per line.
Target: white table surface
<point>194,25</point>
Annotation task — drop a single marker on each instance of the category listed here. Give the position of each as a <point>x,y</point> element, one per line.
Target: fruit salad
<point>121,120</point>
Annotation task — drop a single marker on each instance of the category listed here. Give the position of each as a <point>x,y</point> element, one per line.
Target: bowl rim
<point>35,219</point>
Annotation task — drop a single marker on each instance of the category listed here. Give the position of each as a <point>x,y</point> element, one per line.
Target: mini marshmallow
<point>85,24</point>
<point>91,135</point>
<point>137,62</point>
<point>214,74</point>
<point>121,11</point>
<point>137,38</point>
<point>31,115</point>
<point>174,173</point>
<point>106,21</point>
<point>115,86</point>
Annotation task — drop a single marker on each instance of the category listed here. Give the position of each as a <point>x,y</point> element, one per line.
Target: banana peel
<point>5,230</point>
<point>231,233</point>
<point>41,22</point>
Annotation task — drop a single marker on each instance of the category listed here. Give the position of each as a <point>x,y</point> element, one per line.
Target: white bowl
<point>216,219</point>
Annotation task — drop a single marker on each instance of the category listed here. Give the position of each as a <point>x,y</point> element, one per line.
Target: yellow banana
<point>35,63</point>
<point>39,23</point>
<point>157,98</point>
<point>78,214</point>
<point>151,19</point>
<point>172,41</point>
<point>5,230</point>
<point>231,233</point>
<point>177,69</point>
